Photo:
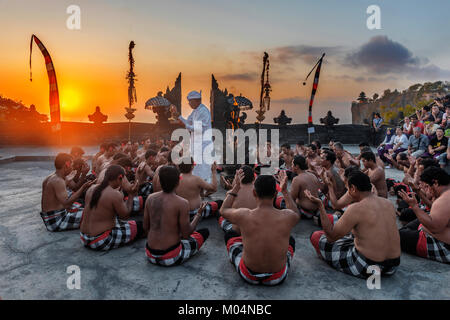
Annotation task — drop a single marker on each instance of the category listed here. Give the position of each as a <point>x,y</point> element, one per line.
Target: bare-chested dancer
<point>106,158</point>
<point>59,211</point>
<point>429,235</point>
<point>104,226</point>
<point>304,180</point>
<point>102,150</point>
<point>244,199</point>
<point>375,240</point>
<point>171,238</point>
<point>344,158</point>
<point>375,173</point>
<point>328,159</point>
<point>312,157</point>
<point>264,251</point>
<point>192,186</point>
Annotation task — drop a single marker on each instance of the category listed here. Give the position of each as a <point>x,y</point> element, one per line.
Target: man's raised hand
<point>410,199</point>
<point>312,198</point>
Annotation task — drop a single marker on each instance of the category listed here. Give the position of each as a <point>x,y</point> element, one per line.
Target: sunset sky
<point>226,38</point>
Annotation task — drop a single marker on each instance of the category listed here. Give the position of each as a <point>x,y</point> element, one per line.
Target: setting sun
<point>70,99</point>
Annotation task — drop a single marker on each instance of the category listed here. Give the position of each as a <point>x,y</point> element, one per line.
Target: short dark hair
<point>364,144</point>
<point>330,156</point>
<point>150,153</point>
<point>119,155</point>
<point>338,145</point>
<point>368,155</point>
<point>366,149</point>
<point>301,143</point>
<point>432,174</point>
<point>169,177</point>
<point>312,146</point>
<point>265,187</point>
<point>104,145</point>
<point>286,145</point>
<point>124,162</point>
<point>164,149</point>
<point>429,162</point>
<point>351,169</point>
<point>317,142</point>
<point>360,180</point>
<point>300,161</point>
<point>111,145</point>
<point>249,174</point>
<point>61,160</point>
<point>186,165</point>
<point>76,150</point>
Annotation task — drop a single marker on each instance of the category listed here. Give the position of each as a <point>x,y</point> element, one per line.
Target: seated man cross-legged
<point>262,254</point>
<point>429,235</point>
<point>102,227</point>
<point>171,238</point>
<point>375,240</point>
<point>59,210</point>
<point>191,188</point>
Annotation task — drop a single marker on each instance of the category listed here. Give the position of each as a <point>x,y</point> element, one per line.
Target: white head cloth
<point>194,95</point>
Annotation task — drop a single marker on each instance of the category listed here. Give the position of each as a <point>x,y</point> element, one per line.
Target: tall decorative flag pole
<point>131,89</point>
<point>55,116</point>
<point>313,93</point>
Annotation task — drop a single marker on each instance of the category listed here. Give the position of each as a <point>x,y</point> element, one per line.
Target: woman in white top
<point>407,127</point>
<point>399,143</point>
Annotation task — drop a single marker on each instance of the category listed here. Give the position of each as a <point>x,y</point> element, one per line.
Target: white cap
<point>194,95</point>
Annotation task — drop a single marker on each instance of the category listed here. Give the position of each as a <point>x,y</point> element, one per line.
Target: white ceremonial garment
<point>200,114</point>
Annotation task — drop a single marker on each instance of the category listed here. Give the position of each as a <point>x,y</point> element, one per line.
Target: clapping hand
<point>313,199</point>
<point>410,199</point>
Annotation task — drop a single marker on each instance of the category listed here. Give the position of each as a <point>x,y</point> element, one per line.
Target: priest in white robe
<point>201,118</point>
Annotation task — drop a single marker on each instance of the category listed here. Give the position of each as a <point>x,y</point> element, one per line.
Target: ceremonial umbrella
<point>157,102</point>
<point>242,102</point>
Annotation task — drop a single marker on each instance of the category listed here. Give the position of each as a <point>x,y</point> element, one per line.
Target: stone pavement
<point>33,262</point>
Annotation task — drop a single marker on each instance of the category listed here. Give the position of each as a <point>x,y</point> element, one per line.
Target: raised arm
<point>436,221</point>
<point>186,227</point>
<point>61,192</point>
<point>212,187</point>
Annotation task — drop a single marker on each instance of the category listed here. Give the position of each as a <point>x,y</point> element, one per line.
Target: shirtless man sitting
<point>375,173</point>
<point>103,227</point>
<point>344,158</point>
<point>327,165</point>
<point>312,157</point>
<point>60,211</point>
<point>171,238</point>
<point>429,235</point>
<point>192,186</point>
<point>263,254</point>
<point>244,199</point>
<point>106,158</point>
<point>102,150</point>
<point>375,239</point>
<point>145,173</point>
<point>304,180</point>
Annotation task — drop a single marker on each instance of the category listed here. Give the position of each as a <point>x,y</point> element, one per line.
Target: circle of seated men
<point>133,193</point>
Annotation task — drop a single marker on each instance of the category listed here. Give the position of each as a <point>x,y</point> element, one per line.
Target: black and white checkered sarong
<point>64,219</point>
<point>343,256</point>
<point>178,253</point>
<point>124,232</point>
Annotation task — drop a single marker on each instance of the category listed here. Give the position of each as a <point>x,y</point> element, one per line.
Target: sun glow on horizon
<point>70,99</point>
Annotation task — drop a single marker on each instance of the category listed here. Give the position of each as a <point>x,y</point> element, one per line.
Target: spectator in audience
<point>407,127</point>
<point>418,143</point>
<point>438,144</point>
